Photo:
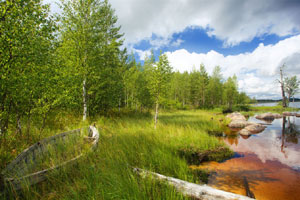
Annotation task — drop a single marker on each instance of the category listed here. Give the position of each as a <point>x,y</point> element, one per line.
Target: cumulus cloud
<point>257,71</point>
<point>229,20</point>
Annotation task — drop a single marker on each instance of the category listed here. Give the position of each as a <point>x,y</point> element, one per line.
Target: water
<point>269,161</point>
<point>292,104</point>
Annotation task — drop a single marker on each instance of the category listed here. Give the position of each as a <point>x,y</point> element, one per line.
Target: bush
<point>236,108</point>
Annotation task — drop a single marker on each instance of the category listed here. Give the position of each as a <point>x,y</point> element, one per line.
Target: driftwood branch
<point>191,189</point>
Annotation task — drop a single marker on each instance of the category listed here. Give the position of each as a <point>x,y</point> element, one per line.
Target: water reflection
<point>270,159</point>
<point>269,180</point>
<point>279,142</point>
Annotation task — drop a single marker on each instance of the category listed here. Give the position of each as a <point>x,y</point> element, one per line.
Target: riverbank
<point>264,160</point>
<point>129,140</point>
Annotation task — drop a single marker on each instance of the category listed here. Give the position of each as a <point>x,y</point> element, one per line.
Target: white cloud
<point>142,54</point>
<point>159,42</point>
<point>232,21</point>
<point>257,71</point>
<point>177,43</point>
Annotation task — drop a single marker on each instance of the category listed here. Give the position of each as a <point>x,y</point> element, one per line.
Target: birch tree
<point>291,86</point>
<point>160,74</point>
<point>90,51</point>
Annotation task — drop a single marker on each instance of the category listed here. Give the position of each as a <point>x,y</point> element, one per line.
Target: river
<point>269,162</point>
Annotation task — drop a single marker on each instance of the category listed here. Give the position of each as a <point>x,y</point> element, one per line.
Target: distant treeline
<point>275,100</point>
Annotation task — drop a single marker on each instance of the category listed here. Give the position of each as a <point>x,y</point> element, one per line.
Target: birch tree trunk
<point>156,113</point>
<point>282,88</point>
<point>19,126</point>
<point>84,100</point>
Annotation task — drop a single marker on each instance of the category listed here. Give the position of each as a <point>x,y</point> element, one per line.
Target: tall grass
<point>128,141</point>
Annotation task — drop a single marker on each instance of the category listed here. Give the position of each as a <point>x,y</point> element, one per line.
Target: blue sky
<point>196,39</point>
<point>248,38</point>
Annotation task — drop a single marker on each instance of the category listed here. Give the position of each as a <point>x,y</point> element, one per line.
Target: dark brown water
<point>268,161</point>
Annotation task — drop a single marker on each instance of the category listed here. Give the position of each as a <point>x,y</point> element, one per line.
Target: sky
<point>248,38</point>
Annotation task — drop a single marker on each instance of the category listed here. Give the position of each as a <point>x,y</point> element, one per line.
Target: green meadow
<point>128,140</point>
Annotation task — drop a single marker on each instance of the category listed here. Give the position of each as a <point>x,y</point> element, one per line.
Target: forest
<point>75,62</point>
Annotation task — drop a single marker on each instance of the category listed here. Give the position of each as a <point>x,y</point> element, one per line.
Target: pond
<point>267,163</point>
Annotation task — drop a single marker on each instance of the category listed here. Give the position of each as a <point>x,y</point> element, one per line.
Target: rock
<point>277,116</point>
<point>245,132</point>
<point>255,128</point>
<point>252,128</point>
<point>237,120</point>
<point>265,116</point>
<point>238,124</point>
<point>298,115</point>
<point>268,116</point>
<point>236,116</point>
<point>287,114</point>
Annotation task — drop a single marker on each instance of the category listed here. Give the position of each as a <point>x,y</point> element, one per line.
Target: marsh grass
<point>277,108</point>
<point>128,141</point>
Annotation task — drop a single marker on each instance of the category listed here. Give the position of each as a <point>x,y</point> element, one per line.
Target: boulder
<point>265,116</point>
<point>268,116</point>
<point>238,124</point>
<point>255,128</point>
<point>252,128</point>
<point>277,115</point>
<point>236,116</point>
<point>245,132</point>
<point>287,114</point>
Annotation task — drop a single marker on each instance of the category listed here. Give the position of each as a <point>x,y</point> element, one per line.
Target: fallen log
<point>193,190</point>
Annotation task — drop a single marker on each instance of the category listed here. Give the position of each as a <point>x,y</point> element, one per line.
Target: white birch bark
<point>84,100</point>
